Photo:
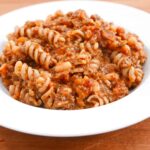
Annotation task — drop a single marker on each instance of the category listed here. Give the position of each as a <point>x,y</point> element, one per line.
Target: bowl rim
<point>30,113</point>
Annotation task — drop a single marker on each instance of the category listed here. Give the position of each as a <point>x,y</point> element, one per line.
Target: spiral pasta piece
<point>42,81</point>
<point>22,94</point>
<point>43,84</point>
<point>23,31</point>
<point>52,36</point>
<point>123,62</point>
<point>36,52</point>
<point>120,59</point>
<point>11,45</point>
<point>89,47</point>
<point>97,100</point>
<point>94,65</point>
<point>78,34</point>
<point>45,88</point>
<point>135,75</point>
<point>25,72</point>
<point>47,98</point>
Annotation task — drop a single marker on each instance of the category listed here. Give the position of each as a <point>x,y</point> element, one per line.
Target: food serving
<point>71,61</point>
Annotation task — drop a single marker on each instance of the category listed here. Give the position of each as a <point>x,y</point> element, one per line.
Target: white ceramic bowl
<point>127,111</point>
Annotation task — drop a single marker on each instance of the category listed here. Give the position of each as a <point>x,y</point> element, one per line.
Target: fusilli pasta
<point>52,36</point>
<point>24,95</point>
<point>35,51</point>
<point>25,72</point>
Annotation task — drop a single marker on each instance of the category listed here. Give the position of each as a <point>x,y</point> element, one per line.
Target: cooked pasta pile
<point>71,61</point>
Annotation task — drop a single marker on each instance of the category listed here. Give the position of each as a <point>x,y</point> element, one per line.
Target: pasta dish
<point>71,61</point>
